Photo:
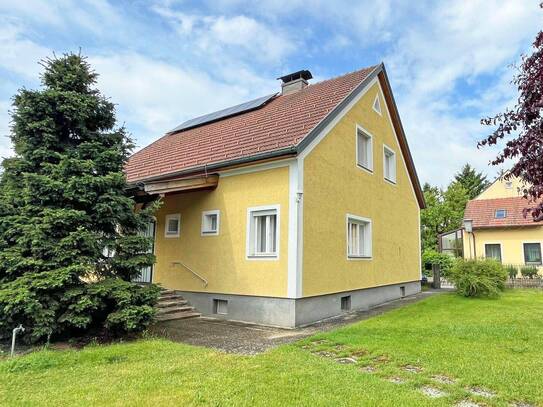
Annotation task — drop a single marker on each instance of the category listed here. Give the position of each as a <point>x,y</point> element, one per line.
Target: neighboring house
<point>290,208</point>
<point>495,226</point>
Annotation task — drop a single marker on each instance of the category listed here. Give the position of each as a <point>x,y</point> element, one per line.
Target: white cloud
<point>238,35</point>
<point>5,143</point>
<point>156,96</point>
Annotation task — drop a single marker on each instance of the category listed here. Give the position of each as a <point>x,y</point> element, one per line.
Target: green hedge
<point>478,278</point>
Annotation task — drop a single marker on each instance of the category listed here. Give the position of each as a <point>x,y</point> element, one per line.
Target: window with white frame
<point>364,149</point>
<point>172,225</point>
<point>377,104</point>
<point>389,164</point>
<point>263,233</point>
<point>358,237</point>
<point>210,223</point>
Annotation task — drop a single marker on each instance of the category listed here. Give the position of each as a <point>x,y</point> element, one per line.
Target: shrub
<point>528,271</point>
<point>431,257</point>
<point>512,271</point>
<point>111,307</point>
<point>478,278</point>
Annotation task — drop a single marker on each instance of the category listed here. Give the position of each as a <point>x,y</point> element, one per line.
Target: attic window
<point>377,104</point>
<point>509,185</point>
<point>500,214</point>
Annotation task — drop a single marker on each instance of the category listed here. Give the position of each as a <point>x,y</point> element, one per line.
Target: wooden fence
<point>524,283</point>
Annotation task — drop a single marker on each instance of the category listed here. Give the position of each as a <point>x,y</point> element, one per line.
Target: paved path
<point>250,339</point>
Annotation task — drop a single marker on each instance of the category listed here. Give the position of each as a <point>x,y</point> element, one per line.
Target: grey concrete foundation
<point>291,313</point>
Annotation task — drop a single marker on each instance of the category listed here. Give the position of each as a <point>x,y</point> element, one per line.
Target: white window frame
<point>204,231</point>
<point>377,101</point>
<point>359,219</point>
<point>250,242</point>
<point>387,149</point>
<point>169,217</point>
<point>501,250</point>
<point>500,210</point>
<point>369,168</point>
<point>523,252</point>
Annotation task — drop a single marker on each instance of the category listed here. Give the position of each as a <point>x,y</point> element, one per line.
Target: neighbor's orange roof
<point>482,212</point>
<point>283,122</point>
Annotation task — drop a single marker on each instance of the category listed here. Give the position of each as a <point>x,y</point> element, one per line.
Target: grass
<point>491,344</point>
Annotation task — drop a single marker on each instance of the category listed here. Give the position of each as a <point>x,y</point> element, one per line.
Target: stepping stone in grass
<point>381,359</point>
<point>320,341</point>
<point>324,354</point>
<point>443,379</point>
<point>359,353</point>
<point>396,380</point>
<point>412,369</point>
<point>478,391</point>
<point>368,369</point>
<point>432,392</point>
<point>346,361</point>
<point>521,404</point>
<point>467,403</point>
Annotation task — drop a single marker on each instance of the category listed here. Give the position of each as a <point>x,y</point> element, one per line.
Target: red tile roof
<point>482,212</point>
<point>281,123</point>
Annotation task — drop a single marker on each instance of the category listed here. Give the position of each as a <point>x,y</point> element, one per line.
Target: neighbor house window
<point>493,251</point>
<point>173,225</point>
<point>364,149</point>
<point>210,223</point>
<point>358,237</point>
<point>500,214</point>
<point>389,164</point>
<point>532,253</point>
<point>263,233</point>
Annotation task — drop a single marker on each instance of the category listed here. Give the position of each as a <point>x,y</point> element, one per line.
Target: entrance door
<point>146,275</point>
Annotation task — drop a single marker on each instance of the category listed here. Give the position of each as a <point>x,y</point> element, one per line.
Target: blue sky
<point>164,62</point>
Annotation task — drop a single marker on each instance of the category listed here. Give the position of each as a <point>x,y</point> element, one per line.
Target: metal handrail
<point>191,270</point>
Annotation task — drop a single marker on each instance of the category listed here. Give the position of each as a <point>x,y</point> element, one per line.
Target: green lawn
<point>491,344</point>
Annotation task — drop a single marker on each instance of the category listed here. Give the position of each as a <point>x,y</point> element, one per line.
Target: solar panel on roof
<point>221,114</point>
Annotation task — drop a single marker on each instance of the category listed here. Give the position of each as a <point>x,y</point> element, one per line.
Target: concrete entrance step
<point>172,310</point>
<point>178,315</point>
<point>171,303</point>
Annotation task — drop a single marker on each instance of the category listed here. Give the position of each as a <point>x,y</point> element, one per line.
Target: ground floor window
<point>493,251</point>
<point>358,237</point>
<point>532,253</point>
<point>263,233</point>
<point>210,223</point>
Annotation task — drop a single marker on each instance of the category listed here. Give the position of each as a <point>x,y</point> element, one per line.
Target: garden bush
<point>529,271</point>
<point>444,261</point>
<point>478,278</point>
<point>512,271</point>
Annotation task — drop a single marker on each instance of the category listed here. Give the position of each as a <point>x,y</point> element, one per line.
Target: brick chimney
<point>293,82</point>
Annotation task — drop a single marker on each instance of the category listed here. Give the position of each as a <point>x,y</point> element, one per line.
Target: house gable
<point>334,186</point>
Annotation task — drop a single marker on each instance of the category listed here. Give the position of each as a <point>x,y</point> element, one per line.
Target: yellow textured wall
<point>511,240</point>
<point>335,186</point>
<point>222,259</point>
<point>498,189</point>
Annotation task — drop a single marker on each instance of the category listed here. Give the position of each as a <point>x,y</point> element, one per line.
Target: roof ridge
<point>368,68</point>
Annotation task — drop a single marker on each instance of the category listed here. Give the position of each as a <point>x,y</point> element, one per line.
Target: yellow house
<point>290,208</point>
<point>496,227</point>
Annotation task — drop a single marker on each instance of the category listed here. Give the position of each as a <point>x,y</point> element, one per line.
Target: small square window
<point>263,233</point>
<point>364,150</point>
<point>389,164</point>
<point>358,237</point>
<point>210,223</point>
<point>172,225</point>
<point>220,306</point>
<point>508,185</point>
<point>500,214</point>
<point>493,251</point>
<point>532,254</point>
<point>346,303</point>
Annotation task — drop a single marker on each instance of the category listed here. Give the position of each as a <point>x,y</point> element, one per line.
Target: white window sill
<point>262,257</point>
<point>171,236</point>
<point>354,257</point>
<point>393,182</point>
<point>210,233</point>
<point>363,168</point>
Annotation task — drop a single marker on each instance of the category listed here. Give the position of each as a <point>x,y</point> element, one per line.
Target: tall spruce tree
<point>474,182</point>
<point>70,239</point>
